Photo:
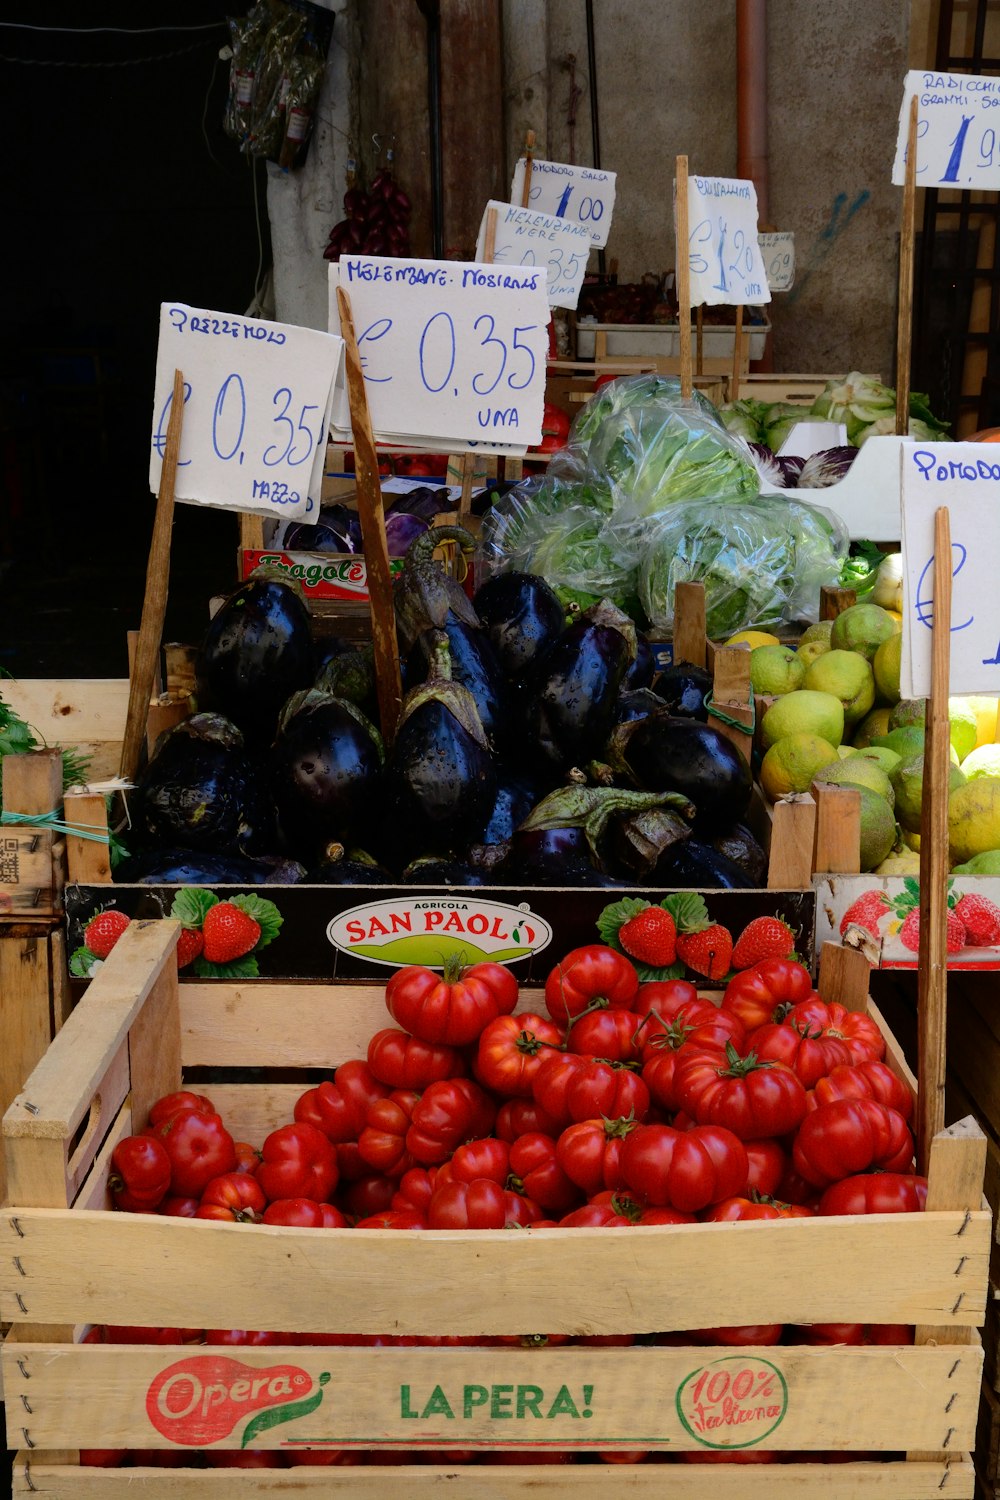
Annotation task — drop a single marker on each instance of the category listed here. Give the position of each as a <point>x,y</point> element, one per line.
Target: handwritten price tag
<point>966,478</point>
<point>525,237</point>
<point>958,131</point>
<point>257,400</point>
<point>778,254</point>
<point>452,352</point>
<point>725,258</point>
<point>582,194</point>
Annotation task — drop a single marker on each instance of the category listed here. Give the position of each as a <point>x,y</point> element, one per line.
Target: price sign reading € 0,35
<point>257,399</point>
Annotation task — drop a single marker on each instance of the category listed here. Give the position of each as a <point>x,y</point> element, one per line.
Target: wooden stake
<point>793,833</point>
<point>154,606</point>
<point>690,642</point>
<point>904,312</point>
<point>833,601</point>
<point>837,850</point>
<point>372,516</point>
<point>683,275</point>
<point>490,241</point>
<point>734,391</point>
<point>731,709</point>
<point>699,325</point>
<point>529,162</point>
<point>251,531</point>
<point>932,987</point>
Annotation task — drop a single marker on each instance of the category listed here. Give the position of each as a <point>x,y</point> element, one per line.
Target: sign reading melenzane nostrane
<point>430,930</point>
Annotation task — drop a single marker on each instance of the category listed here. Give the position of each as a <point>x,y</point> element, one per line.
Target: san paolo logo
<point>434,930</point>
<point>203,1399</point>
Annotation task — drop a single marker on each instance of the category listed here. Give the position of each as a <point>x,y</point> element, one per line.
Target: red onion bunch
<point>376,222</point>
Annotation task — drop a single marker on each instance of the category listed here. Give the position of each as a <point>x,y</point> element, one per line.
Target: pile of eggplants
<point>533,748</point>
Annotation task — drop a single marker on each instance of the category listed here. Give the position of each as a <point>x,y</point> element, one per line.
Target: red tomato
<point>696,1021</point>
<point>415,1189</point>
<point>382,1142</point>
<point>478,1205</point>
<point>140,1174</point>
<point>856,1333</point>
<point>589,1152</point>
<point>535,1172</point>
<point>766,991</point>
<point>848,1136</point>
<point>304,1213</point>
<point>736,1210</point>
<point>242,1338</point>
<point>752,1099</point>
<point>665,1215</point>
<point>454,1007</point>
<point>180,1103</point>
<point>371,1194</point>
<point>612,1035</point>
<point>200,1148</point>
<point>659,1072</point>
<point>593,975</point>
<point>870,1079</point>
<point>511,1050</point>
<point>340,1109</point>
<point>856,1030</point>
<point>394,1218</point>
<point>351,1165</point>
<point>486,1158</point>
<point>597,1216</point>
<point>550,1083</point>
<point>103,1458</point>
<point>247,1158</point>
<point>768,1161</point>
<point>665,997</point>
<point>235,1196</point>
<point>405,1062</point>
<point>875,1193</point>
<point>298,1162</point>
<point>686,1170</point>
<point>446,1114</point>
<point>247,1458</point>
<point>606,1089</point>
<point>179,1207</point>
<point>809,1052</point>
<point>520,1116</point>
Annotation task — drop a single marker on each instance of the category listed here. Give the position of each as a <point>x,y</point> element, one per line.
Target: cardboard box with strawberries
<point>881,915</point>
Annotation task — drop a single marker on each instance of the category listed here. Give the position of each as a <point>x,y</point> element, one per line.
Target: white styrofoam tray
<point>663,340</point>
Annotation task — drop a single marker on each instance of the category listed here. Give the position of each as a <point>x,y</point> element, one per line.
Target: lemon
<point>908,784</point>
<point>845,750</point>
<point>856,771</point>
<point>896,618</point>
<point>887,759</point>
<point>804,712</point>
<point>878,828</point>
<point>818,632</point>
<point>899,862</point>
<point>911,840</point>
<point>752,638</point>
<point>985,710</point>
<point>861,628</point>
<point>963,727</point>
<point>987,863</point>
<point>848,677</point>
<point>775,670</point>
<point>791,764</point>
<point>872,725</point>
<point>983,761</point>
<point>907,741</point>
<point>908,712</point>
<point>808,653</point>
<point>885,666</point>
<point>974,818</point>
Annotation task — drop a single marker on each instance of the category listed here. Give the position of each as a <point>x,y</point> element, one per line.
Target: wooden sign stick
<point>932,985</point>
<point>388,680</point>
<point>529,162</point>
<point>683,276</point>
<point>699,328</point>
<point>904,313</point>
<point>734,390</point>
<point>154,605</point>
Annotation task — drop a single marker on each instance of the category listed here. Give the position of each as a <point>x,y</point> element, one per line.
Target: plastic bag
<point>247,38</point>
<point>762,563</point>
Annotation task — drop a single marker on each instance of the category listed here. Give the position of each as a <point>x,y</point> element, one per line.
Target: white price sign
<point>958,131</point>
<point>778,254</point>
<point>966,478</point>
<point>453,352</point>
<point>723,253</point>
<point>257,400</point>
<point>582,194</point>
<point>525,237</point>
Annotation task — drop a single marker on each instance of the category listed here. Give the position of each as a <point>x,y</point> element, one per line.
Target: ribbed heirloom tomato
<point>446,1114</point>
<point>590,1151</point>
<point>140,1174</point>
<point>235,1197</point>
<point>767,991</point>
<point>339,1108</point>
<point>453,1007</point>
<point>512,1049</point>
<point>686,1170</point>
<point>200,1148</point>
<point>592,975</point>
<point>802,1047</point>
<point>858,1032</point>
<point>870,1079</point>
<point>875,1193</point>
<point>405,1062</point>
<point>849,1136</point>
<point>298,1162</point>
<point>753,1099</point>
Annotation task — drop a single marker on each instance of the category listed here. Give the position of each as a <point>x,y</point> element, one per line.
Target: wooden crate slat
<point>72,711</point>
<point>859,1481</point>
<point>904,1268</point>
<point>614,1399</point>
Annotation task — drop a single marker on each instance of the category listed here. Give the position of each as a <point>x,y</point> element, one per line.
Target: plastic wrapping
<point>762,563</point>
<point>247,38</point>
<point>270,95</point>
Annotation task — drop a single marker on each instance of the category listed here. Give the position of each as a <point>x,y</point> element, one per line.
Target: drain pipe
<point>751,113</point>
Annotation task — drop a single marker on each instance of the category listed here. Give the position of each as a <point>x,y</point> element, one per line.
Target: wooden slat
<point>689,623</point>
<point>25,1026</point>
<point>838,823</point>
<point>154,1045</point>
<point>96,1395</point>
<point>904,1268</point>
<point>793,834</point>
<point>32,786</point>
<point>82,712</point>
<point>859,1481</point>
<point>88,861</point>
<point>843,977</point>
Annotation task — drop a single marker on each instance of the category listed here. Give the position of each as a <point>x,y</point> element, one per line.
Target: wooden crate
<point>69,1263</point>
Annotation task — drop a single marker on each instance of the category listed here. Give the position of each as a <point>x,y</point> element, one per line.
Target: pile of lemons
<point>837,717</point>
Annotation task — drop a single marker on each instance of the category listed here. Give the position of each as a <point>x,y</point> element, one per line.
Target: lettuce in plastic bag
<point>865,406</point>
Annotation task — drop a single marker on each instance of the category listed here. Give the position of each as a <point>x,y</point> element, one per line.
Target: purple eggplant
<point>326,765</point>
<point>402,529</point>
<point>665,753</point>
<point>516,795</point>
<point>257,652</point>
<point>640,673</point>
<point>522,616</point>
<point>683,688</point>
<point>636,704</point>
<point>322,537</point>
<point>425,501</point>
<point>473,663</point>
<point>572,690</point>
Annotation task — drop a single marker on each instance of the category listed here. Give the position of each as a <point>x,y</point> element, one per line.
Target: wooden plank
<point>731,707</point>
<point>252,1110</point>
<point>833,601</point>
<point>904,296</point>
<point>179,663</point>
<point>843,976</point>
<point>681,215</point>
<point>640,1398</point>
<point>88,860</point>
<point>859,1481</point>
<point>905,1268</point>
<point>154,1046</point>
<point>82,712</point>
<point>689,623</point>
<point>95,1193</point>
<point>25,1024</point>
<point>838,830</point>
<point>32,787</point>
<point>793,834</point>
<point>62,995</point>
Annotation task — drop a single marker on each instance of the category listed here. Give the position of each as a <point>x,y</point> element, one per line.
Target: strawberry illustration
<point>189,945</point>
<point>650,937</point>
<point>909,933</point>
<point>764,937</point>
<point>865,912</point>
<point>228,933</point>
<point>103,931</point>
<point>707,950</point>
<point>981,919</point>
